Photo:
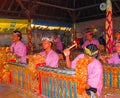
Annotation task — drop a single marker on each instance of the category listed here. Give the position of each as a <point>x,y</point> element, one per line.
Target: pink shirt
<point>51,59</point>
<point>87,42</point>
<point>59,44</point>
<point>19,49</point>
<point>114,59</point>
<point>95,73</point>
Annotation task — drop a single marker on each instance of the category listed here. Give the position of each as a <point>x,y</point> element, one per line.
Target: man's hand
<point>66,52</point>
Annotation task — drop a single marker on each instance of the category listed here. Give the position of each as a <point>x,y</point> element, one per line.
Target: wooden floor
<point>110,93</point>
<point>9,92</point>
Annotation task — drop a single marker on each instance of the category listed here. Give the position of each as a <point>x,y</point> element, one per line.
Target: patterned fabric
<point>91,50</point>
<point>109,27</point>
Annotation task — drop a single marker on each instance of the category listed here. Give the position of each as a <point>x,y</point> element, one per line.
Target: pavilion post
<point>74,31</point>
<point>30,44</point>
<point>27,12</point>
<point>109,28</point>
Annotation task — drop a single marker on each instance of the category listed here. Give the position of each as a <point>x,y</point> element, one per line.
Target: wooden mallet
<point>74,45</point>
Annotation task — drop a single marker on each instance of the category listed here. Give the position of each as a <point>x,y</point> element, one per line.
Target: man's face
<point>46,44</point>
<point>89,36</point>
<point>15,38</point>
<point>55,36</point>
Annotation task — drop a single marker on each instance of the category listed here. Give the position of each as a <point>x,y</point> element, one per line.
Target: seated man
<point>51,57</point>
<point>117,39</point>
<point>114,58</point>
<point>18,47</point>
<point>58,43</point>
<point>94,67</point>
<point>90,40</point>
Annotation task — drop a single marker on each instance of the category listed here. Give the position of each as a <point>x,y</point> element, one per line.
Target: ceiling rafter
<point>96,15</point>
<point>27,12</point>
<point>93,5</point>
<point>3,4</point>
<point>52,5</point>
<point>66,8</point>
<point>52,17</point>
<point>4,11</point>
<point>61,10</point>
<point>118,7</point>
<point>11,4</point>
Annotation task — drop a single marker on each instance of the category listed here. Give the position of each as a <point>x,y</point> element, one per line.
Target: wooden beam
<point>93,5</point>
<point>116,4</point>
<point>24,9</point>
<point>4,2</point>
<point>11,4</point>
<point>92,16</point>
<point>52,5</point>
<point>52,17</point>
<point>66,8</point>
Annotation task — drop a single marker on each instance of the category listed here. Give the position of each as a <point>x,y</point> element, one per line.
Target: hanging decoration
<point>44,27</point>
<point>109,28</point>
<point>10,25</point>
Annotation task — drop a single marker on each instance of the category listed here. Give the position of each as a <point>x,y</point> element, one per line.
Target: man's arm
<point>67,55</point>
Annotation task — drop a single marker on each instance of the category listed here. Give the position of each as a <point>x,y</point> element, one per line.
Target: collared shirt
<point>95,73</point>
<point>19,49</point>
<point>87,42</point>
<point>51,59</point>
<point>59,45</point>
<point>114,59</point>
